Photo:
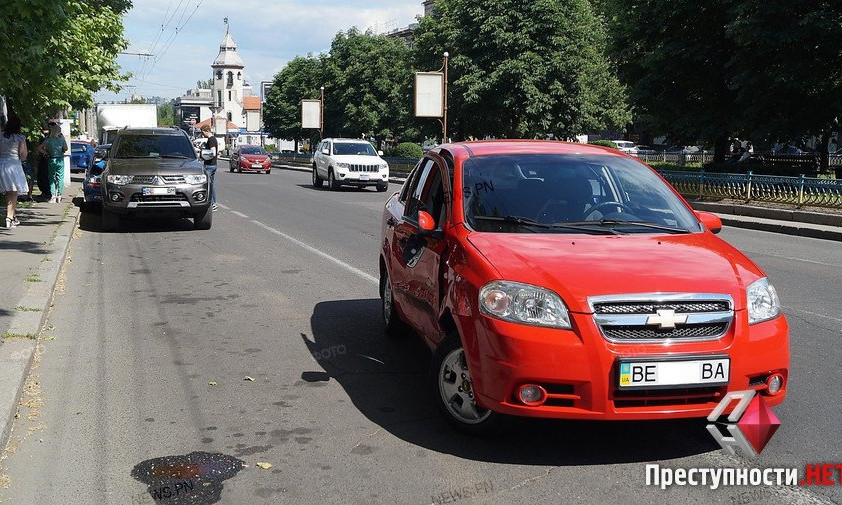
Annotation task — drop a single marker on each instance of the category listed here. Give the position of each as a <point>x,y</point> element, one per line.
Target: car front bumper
<point>185,199</point>
<point>579,368</point>
<point>362,178</point>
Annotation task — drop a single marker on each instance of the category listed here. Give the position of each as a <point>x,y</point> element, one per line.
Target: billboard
<point>311,114</point>
<point>265,86</point>
<point>429,94</point>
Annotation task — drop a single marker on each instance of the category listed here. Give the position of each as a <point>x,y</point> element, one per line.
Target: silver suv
<point>154,170</point>
<point>351,162</point>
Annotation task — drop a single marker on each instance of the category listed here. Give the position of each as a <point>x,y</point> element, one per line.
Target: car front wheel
<point>317,181</point>
<point>203,219</point>
<point>382,186</point>
<point>331,181</point>
<point>453,390</point>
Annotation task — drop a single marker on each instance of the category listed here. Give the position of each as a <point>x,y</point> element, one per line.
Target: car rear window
<point>153,146</point>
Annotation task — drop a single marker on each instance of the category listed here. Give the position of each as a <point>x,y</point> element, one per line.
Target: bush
<point>269,148</point>
<point>603,143</point>
<point>405,150</point>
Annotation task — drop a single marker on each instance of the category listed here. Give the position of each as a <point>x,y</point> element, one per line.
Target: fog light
<point>115,197</point>
<point>531,395</point>
<point>775,383</point>
<point>199,196</point>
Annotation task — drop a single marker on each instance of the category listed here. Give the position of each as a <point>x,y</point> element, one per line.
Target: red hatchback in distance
<point>250,159</point>
<point>571,281</point>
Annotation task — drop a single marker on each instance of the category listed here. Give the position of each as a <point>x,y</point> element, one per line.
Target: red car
<point>250,159</point>
<point>565,280</point>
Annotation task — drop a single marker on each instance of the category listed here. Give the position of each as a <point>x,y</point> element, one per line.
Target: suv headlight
<point>342,165</point>
<point>195,179</point>
<point>384,166</point>
<point>763,303</point>
<point>523,303</point>
<point>119,180</point>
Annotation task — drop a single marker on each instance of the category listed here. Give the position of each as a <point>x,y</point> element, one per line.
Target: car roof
<point>491,147</point>
<point>350,140</point>
<point>151,131</point>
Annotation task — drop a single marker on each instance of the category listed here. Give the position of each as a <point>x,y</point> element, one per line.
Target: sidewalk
<point>31,256</point>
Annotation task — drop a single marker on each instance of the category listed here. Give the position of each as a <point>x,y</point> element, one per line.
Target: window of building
<point>229,116</point>
<point>219,98</point>
<point>229,95</point>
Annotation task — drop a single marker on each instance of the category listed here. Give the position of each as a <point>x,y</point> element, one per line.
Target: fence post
<point>800,190</point>
<point>701,183</point>
<point>748,186</point>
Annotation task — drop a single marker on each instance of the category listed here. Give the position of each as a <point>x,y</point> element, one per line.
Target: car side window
<point>415,202</point>
<point>433,196</point>
<point>410,181</point>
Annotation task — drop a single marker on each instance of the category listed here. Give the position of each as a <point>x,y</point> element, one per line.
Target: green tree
<point>370,86</point>
<point>299,80</point>
<point>523,69</point>
<point>674,56</point>
<point>57,53</point>
<point>166,114</point>
<point>787,69</point>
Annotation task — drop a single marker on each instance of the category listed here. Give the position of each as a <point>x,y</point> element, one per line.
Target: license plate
<point>642,374</point>
<point>363,177</point>
<point>158,191</point>
<point>257,165</point>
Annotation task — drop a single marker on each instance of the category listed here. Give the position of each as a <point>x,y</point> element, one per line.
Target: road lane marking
<point>239,214</point>
<point>317,252</point>
<point>812,313</point>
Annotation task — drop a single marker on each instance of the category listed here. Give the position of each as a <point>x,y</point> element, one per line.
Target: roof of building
<point>231,126</point>
<point>251,103</point>
<point>228,56</point>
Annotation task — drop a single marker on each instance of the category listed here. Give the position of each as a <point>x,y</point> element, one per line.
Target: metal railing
<point>798,191</point>
<point>679,158</point>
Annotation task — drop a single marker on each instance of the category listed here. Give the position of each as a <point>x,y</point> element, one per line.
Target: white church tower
<point>228,82</point>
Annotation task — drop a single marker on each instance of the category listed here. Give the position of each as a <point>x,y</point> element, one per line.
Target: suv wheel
<point>382,186</point>
<point>331,180</point>
<point>450,380</point>
<point>317,181</point>
<point>110,220</point>
<point>202,220</point>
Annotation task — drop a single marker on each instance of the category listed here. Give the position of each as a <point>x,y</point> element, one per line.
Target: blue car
<point>81,156</point>
<point>92,185</point>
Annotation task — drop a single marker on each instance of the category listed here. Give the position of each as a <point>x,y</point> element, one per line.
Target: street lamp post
<point>321,112</point>
<point>444,118</point>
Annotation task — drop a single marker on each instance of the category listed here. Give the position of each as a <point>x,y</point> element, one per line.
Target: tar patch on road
<point>194,479</point>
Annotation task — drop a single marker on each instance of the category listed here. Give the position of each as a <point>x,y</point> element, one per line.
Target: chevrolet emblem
<point>666,319</point>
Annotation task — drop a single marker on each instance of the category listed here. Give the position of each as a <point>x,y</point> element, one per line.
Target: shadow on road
<point>342,189</point>
<point>91,220</point>
<point>386,379</point>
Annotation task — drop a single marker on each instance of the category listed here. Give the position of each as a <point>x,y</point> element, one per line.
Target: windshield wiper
<point>523,221</point>
<point>176,156</point>
<point>641,224</point>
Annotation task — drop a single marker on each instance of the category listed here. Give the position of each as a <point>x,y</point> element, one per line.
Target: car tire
<point>332,183</point>
<point>231,168</point>
<point>448,376</point>
<point>318,182</point>
<point>110,220</point>
<point>239,170</point>
<point>268,172</point>
<point>381,187</point>
<point>203,220</point>
<point>392,323</point>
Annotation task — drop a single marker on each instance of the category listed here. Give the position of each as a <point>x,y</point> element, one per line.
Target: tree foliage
<point>204,84</point>
<point>523,69</point>
<point>166,114</point>
<point>299,80</point>
<point>57,53</point>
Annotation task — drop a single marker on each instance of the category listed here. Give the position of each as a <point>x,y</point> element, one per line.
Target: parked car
<point>154,170</point>
<point>626,146</point>
<point>250,159</point>
<point>563,280</point>
<point>92,183</point>
<point>81,156</point>
<point>644,149</point>
<point>350,162</point>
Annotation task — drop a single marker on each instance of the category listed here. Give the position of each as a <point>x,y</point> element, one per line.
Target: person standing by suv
<point>210,162</point>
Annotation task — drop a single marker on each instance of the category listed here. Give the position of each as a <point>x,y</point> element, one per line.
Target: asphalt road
<point>259,342</point>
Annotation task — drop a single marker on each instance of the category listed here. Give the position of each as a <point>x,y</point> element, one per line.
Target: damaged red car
<point>564,280</point>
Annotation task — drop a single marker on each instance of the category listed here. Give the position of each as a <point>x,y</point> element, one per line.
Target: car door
<point>419,258</point>
<point>324,157</point>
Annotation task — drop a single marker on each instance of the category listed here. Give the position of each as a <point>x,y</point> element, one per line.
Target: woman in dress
<point>12,178</point>
<point>54,147</point>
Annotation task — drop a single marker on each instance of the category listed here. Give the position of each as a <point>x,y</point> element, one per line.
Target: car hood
<point>254,157</point>
<point>578,267</point>
<point>153,166</point>
<point>359,160</point>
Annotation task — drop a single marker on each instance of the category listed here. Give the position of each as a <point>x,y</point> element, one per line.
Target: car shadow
<point>386,379</point>
<point>342,189</point>
<point>90,219</point>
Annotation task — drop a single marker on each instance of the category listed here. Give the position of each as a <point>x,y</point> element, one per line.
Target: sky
<point>184,36</point>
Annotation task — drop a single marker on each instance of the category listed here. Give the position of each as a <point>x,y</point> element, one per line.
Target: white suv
<point>351,162</point>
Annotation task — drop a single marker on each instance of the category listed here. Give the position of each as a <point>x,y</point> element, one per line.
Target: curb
<point>16,354</point>
<point>779,214</point>
<point>782,227</point>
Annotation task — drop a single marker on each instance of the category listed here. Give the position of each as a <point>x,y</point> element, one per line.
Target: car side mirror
<point>426,223</point>
<point>710,221</point>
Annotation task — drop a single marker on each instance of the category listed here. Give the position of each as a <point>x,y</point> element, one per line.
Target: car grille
<point>157,179</point>
<point>144,179</point>
<point>364,168</point>
<point>667,397</point>
<point>173,179</point>
<point>660,317</point>
<point>178,197</point>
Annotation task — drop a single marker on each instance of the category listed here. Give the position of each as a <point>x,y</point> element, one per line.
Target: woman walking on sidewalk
<point>54,147</point>
<point>12,178</point>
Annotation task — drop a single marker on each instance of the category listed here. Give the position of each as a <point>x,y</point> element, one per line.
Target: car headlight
<point>94,179</point>
<point>118,179</point>
<point>523,303</point>
<point>342,165</point>
<point>195,178</point>
<point>763,302</point>
<point>384,166</point>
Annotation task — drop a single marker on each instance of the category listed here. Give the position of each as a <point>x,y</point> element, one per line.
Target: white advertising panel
<point>311,114</point>
<point>429,94</point>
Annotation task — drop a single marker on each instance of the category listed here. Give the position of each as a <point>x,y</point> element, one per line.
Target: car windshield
<point>252,150</point>
<point>570,193</point>
<point>154,146</point>
<point>353,148</point>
